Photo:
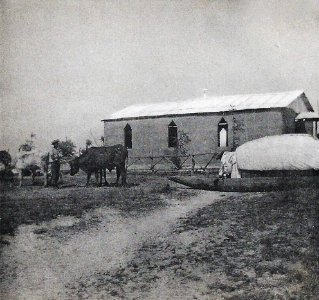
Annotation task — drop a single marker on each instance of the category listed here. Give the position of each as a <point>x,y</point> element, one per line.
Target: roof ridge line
<point>215,96</point>
<point>202,103</point>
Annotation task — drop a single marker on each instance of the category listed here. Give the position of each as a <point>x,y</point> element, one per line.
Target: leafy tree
<point>238,129</point>
<point>183,141</point>
<point>67,148</point>
<point>28,145</point>
<point>182,149</point>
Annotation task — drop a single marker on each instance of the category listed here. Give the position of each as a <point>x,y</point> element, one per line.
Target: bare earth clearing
<point>154,241</point>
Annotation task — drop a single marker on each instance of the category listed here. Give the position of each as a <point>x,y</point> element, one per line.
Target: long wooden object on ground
<point>253,184</point>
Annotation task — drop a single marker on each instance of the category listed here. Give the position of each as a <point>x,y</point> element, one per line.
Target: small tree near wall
<point>239,127</point>
<point>183,141</point>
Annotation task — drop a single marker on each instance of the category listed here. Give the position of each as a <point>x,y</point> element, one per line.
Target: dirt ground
<point>157,240</point>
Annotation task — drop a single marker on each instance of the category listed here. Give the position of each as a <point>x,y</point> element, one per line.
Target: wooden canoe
<point>252,184</point>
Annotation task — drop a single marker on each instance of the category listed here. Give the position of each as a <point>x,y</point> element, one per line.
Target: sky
<point>66,65</point>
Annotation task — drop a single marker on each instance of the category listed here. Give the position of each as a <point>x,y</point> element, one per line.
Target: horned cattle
<point>97,159</point>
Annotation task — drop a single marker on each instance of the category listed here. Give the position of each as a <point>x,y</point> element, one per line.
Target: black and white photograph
<point>159,149</point>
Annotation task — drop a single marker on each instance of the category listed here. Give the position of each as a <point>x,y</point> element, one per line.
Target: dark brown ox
<point>97,159</point>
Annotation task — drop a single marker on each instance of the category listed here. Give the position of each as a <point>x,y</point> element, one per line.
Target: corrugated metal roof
<point>209,104</point>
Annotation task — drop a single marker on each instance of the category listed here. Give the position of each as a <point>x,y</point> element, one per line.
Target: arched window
<point>172,135</point>
<point>222,133</point>
<point>128,136</point>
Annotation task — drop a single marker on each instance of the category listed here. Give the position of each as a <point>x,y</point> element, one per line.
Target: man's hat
<point>55,142</point>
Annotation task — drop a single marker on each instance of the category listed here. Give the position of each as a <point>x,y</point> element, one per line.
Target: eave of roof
<point>309,115</point>
<point>190,114</point>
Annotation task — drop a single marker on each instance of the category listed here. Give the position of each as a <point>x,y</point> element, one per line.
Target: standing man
<point>54,160</point>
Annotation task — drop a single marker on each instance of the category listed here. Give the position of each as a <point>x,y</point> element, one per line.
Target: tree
<point>182,149</point>
<point>67,148</point>
<point>238,130</point>
<point>28,145</point>
<point>183,141</point>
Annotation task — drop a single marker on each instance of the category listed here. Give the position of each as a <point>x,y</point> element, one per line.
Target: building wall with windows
<point>150,136</point>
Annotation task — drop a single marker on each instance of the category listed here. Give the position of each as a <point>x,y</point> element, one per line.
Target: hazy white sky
<point>65,65</point>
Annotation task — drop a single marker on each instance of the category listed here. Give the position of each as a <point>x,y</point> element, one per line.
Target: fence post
<point>152,164</point>
<point>193,165</point>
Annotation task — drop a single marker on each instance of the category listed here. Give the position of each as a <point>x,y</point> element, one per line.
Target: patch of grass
<point>163,188</point>
<point>35,204</point>
<point>252,246</point>
<point>134,200</point>
<point>40,230</point>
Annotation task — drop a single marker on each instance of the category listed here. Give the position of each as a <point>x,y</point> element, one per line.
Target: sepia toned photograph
<point>159,149</point>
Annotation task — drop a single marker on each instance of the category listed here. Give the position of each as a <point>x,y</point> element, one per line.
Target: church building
<point>211,124</point>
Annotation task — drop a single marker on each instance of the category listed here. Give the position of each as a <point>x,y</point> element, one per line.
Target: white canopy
<point>280,152</point>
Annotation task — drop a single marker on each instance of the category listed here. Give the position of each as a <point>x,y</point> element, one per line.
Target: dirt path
<point>45,264</point>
